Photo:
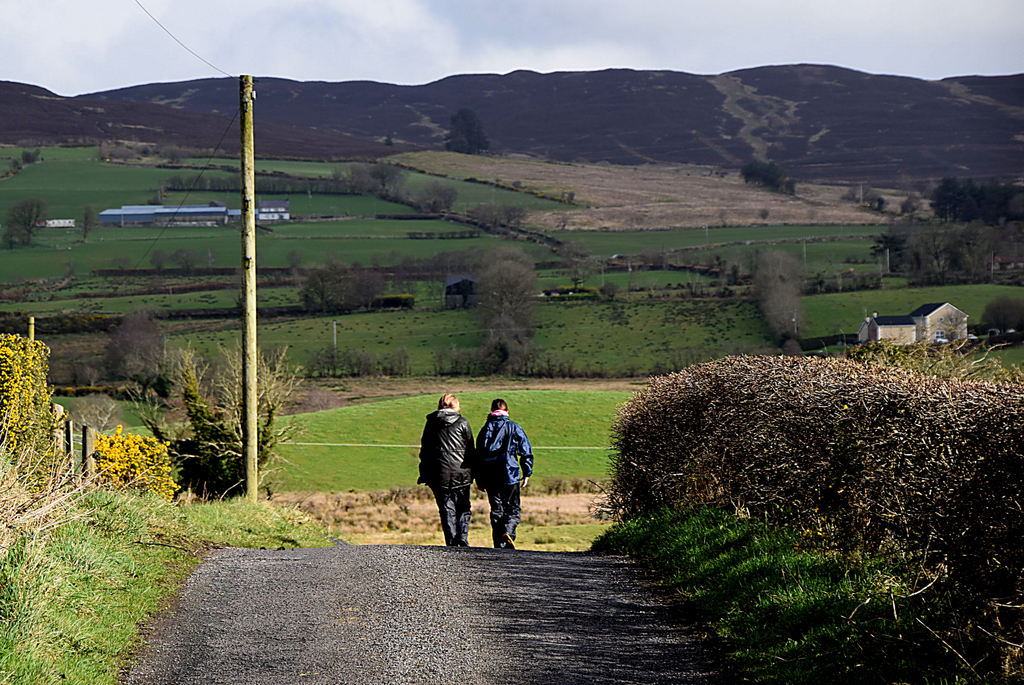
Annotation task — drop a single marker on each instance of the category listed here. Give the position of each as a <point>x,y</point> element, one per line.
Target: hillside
<point>819,122</point>
<point>32,117</point>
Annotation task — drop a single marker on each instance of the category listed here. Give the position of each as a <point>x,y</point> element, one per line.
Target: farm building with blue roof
<point>152,215</point>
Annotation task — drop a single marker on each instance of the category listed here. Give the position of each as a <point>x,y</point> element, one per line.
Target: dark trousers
<point>505,512</point>
<point>454,508</point>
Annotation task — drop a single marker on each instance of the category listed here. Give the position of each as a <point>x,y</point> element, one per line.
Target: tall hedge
<point>872,458</point>
<point>26,416</point>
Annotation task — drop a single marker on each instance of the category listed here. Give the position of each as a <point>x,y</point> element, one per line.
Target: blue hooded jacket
<point>499,444</point>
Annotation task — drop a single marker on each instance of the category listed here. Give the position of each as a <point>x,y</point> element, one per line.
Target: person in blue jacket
<point>501,446</point>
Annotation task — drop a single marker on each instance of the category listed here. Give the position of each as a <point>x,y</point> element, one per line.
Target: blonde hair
<point>448,401</point>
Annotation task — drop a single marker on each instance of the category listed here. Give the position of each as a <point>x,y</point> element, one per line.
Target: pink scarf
<point>499,413</point>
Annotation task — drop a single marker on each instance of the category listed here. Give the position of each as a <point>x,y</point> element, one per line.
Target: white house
<point>936,322</point>
<point>273,210</point>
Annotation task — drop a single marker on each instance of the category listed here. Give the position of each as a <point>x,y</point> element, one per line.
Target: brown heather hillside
<point>32,116</point>
<point>654,196</point>
<point>819,122</point>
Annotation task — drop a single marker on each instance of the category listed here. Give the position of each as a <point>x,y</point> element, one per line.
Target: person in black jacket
<point>446,450</point>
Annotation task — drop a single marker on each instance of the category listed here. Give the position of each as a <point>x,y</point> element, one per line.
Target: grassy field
<point>607,243</point>
<point>612,338</point>
<point>56,251</point>
<point>68,179</point>
<point>469,194</point>
<point>385,430</point>
<point>637,280</point>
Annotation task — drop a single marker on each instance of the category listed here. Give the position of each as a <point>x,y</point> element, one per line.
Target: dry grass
<point>35,496</point>
<point>408,516</point>
<point>620,197</point>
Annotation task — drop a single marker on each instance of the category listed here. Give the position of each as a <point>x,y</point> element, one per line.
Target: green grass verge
<point>787,614</point>
<point>72,600</point>
<point>551,418</point>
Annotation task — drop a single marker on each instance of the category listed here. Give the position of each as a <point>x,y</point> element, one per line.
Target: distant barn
<point>459,291</point>
<point>212,214</point>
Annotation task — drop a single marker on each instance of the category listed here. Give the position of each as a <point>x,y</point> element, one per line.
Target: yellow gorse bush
<point>128,460</point>
<point>26,417</point>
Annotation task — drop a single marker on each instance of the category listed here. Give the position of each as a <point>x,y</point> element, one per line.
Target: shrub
<point>396,301</point>
<point>25,411</point>
<point>874,458</point>
<point>953,360</point>
<point>208,448</point>
<point>126,460</point>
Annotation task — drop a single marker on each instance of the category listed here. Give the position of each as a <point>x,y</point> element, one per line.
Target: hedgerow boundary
<point>863,460</point>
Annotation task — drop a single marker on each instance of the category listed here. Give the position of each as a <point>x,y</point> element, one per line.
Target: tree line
<point>991,202</point>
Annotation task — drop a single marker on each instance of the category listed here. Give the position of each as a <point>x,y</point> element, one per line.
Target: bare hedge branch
<point>879,459</point>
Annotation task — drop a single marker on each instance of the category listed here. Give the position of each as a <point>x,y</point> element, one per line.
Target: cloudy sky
<point>82,46</point>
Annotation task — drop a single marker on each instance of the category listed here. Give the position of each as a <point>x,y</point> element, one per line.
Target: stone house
<point>936,322</point>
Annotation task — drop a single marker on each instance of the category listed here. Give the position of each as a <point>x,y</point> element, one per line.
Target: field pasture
<point>607,339</point>
<point>650,196</point>
<point>375,446</point>
<point>657,321</point>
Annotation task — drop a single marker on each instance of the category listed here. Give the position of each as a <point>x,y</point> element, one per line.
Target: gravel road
<point>403,614</point>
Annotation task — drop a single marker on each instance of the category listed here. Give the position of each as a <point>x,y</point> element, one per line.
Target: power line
<point>188,193</point>
<point>176,40</point>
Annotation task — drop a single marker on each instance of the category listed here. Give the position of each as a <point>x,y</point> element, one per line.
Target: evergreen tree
<point>466,134</point>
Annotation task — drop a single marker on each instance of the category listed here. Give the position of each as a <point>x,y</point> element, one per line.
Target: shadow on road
<point>577,617</point>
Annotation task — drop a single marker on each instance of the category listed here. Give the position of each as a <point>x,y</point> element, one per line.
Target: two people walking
<point>500,461</point>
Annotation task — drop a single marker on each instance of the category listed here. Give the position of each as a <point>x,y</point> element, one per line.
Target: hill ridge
<point>820,122</point>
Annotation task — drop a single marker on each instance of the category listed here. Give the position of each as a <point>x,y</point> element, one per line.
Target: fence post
<point>58,431</point>
<point>69,440</point>
<point>88,449</point>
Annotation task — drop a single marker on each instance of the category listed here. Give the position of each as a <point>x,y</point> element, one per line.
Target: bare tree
<point>507,287</point>
<point>185,258</point>
<point>158,259</point>
<point>778,280</point>
<point>90,219</point>
<point>366,285</point>
<point>581,264</point>
<point>23,218</point>
<point>99,411</point>
<point>135,349</point>
<point>436,196</point>
<point>388,178</point>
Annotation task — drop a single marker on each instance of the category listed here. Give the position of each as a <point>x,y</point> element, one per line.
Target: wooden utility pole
<point>250,433</point>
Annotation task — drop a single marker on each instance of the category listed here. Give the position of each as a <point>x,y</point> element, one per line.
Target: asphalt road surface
<point>403,614</point>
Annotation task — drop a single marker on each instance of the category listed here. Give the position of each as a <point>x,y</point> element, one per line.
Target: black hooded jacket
<point>446,449</point>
